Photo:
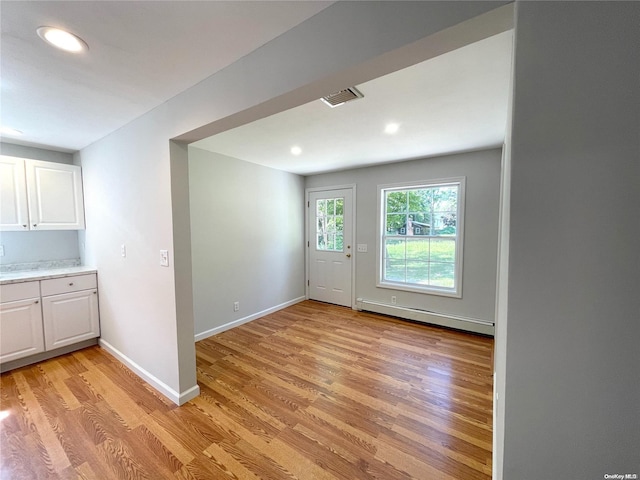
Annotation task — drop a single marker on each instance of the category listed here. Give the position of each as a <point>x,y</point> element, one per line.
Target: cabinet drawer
<point>55,286</point>
<point>19,291</point>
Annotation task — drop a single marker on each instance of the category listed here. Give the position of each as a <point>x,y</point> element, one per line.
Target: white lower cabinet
<point>45,315</point>
<point>70,318</point>
<point>69,310</point>
<point>20,329</point>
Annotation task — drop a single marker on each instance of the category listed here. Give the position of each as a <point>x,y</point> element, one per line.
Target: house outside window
<point>421,235</point>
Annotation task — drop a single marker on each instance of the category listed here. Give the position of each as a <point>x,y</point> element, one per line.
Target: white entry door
<point>330,238</point>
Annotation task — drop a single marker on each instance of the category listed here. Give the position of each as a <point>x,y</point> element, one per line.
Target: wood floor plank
<point>80,389</point>
<point>121,460</point>
<point>311,392</point>
<point>12,461</point>
<point>247,462</point>
<point>41,463</point>
<point>152,454</point>
<point>126,407</point>
<point>415,468</point>
<point>457,450</point>
<point>129,383</point>
<point>83,453</point>
<point>52,448</point>
<point>456,427</point>
<point>85,472</point>
<point>246,414</point>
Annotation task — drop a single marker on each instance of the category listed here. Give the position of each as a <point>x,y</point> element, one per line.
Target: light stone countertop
<point>32,275</point>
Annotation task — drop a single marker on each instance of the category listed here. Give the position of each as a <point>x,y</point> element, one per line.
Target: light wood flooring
<point>310,392</point>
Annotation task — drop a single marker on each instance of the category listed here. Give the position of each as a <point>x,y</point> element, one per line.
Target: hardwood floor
<point>311,392</point>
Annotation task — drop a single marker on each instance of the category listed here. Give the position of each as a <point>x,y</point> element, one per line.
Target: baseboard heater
<point>451,321</point>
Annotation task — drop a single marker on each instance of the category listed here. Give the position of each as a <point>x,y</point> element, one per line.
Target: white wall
<point>136,180</point>
<point>127,185</point>
<point>38,246</point>
<point>247,239</point>
<point>34,153</point>
<point>482,172</point>
<point>572,391</point>
<point>42,246</point>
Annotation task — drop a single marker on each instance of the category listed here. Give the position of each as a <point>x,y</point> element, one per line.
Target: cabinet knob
<point>95,292</point>
<point>35,224</point>
<point>24,226</point>
<point>37,301</point>
<point>71,284</point>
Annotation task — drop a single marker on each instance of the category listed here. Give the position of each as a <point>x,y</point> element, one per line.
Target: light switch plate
<point>164,258</point>
<point>362,247</point>
<point>1,250</point>
<point>123,250</point>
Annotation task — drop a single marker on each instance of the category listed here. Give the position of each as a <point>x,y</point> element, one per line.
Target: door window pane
<point>330,224</point>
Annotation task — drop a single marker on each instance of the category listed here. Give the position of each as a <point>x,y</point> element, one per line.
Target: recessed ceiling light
<point>62,39</point>
<point>391,128</point>
<point>10,131</point>
<point>296,150</point>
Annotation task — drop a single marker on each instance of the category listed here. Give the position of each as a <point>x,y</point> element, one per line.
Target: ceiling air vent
<point>343,96</point>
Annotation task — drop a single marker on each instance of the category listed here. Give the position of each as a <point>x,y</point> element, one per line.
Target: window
<point>330,227</point>
<point>421,236</point>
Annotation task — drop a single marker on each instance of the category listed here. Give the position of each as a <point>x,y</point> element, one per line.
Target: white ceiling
<point>452,103</point>
<point>141,53</point>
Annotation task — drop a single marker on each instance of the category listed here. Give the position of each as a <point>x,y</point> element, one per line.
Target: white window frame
<point>456,291</point>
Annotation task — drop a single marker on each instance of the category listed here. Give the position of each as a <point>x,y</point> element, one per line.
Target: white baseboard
<point>178,398</point>
<point>240,321</point>
<point>188,394</point>
<point>444,320</point>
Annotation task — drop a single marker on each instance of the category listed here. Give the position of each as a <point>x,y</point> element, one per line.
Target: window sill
<point>424,290</point>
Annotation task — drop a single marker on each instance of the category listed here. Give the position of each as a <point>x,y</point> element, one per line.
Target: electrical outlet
<point>164,258</point>
<point>236,306</point>
<point>123,250</point>
<point>393,299</point>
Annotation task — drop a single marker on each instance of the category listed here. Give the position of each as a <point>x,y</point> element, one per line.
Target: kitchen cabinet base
<point>40,357</point>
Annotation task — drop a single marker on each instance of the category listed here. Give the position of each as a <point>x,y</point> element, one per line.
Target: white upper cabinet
<point>14,214</point>
<point>51,191</point>
<point>55,196</point>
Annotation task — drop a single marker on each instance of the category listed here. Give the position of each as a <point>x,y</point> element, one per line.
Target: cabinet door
<point>14,213</point>
<point>21,329</point>
<point>55,196</point>
<point>70,318</point>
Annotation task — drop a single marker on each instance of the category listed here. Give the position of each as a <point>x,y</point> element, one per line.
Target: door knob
<point>348,255</point>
